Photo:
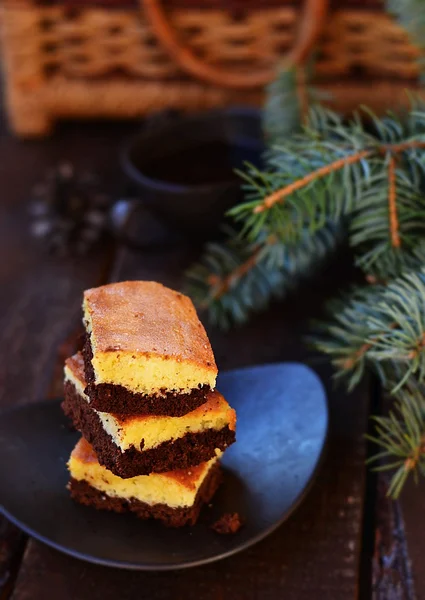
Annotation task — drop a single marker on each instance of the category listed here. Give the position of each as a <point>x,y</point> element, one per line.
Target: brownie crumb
<point>227,523</point>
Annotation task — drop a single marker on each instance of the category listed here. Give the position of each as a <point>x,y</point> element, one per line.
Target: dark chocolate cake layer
<point>181,453</point>
<point>84,493</point>
<point>107,397</point>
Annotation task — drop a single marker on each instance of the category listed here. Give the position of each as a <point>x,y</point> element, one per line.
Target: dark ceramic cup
<point>182,169</point>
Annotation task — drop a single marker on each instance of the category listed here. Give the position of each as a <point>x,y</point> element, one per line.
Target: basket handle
<point>314,15</point>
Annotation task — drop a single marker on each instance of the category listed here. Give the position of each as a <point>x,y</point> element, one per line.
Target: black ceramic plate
<point>281,431</point>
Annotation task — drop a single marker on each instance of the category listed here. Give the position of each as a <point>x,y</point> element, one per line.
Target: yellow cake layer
<point>147,338</point>
<point>175,489</point>
<point>126,432</point>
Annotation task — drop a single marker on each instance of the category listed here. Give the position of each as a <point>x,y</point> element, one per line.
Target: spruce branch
<point>300,171</point>
<point>383,328</point>
<point>403,343</point>
<point>388,222</point>
<point>371,176</point>
<point>346,339</point>
<point>380,326</point>
<point>392,203</point>
<point>401,437</point>
<point>280,194</point>
<point>235,279</point>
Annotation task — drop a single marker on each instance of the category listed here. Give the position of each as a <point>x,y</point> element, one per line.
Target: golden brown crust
<point>83,452</point>
<point>75,364</point>
<point>146,317</point>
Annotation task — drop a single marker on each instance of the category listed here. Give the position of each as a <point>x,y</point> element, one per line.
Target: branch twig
<point>412,461</point>
<point>419,348</point>
<point>396,148</point>
<point>280,194</point>
<point>224,283</point>
<point>349,363</point>
<point>392,203</point>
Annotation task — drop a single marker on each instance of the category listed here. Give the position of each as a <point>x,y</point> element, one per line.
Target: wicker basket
<point>109,59</point>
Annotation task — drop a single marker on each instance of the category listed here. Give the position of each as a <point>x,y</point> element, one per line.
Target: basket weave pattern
<point>367,41</point>
<point>107,62</point>
<point>99,42</point>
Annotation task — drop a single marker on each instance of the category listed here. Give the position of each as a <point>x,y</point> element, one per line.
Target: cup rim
<point>158,184</point>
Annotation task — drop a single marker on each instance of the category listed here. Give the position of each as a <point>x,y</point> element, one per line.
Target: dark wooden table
<point>344,541</point>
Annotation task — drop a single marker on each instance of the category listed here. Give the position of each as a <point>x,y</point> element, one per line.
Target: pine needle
<point>382,327</point>
<point>402,436</point>
<point>233,280</point>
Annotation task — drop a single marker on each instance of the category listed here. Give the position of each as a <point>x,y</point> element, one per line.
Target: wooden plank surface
<point>392,568</point>
<point>40,296</point>
<point>413,511</point>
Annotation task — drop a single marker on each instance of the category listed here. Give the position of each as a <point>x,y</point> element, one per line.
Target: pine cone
<point>69,212</point>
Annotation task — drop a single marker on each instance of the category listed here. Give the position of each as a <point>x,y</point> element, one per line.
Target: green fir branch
<point>382,327</point>
<point>401,322</point>
<point>235,279</point>
<point>401,438</point>
<point>368,172</point>
<point>316,172</point>
<point>389,219</point>
<point>345,338</point>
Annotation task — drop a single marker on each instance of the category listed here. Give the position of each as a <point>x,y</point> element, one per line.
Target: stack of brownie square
<point>142,394</point>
